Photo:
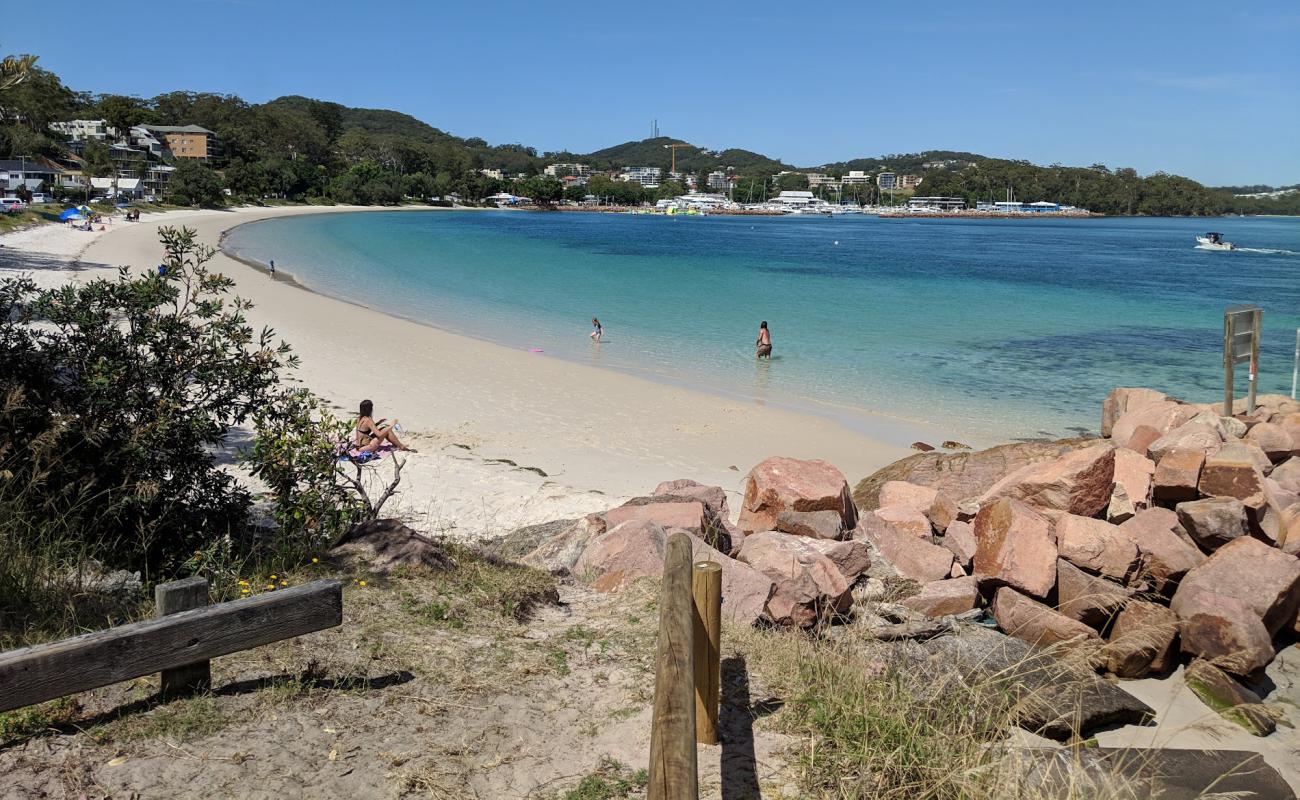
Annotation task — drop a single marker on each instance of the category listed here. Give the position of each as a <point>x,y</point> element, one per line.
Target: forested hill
<point>656,153</point>
<point>914,163</point>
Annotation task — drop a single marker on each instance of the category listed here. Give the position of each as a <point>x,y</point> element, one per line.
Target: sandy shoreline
<point>599,436</point>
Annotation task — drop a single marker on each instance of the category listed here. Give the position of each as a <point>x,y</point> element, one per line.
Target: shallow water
<point>993,329</point>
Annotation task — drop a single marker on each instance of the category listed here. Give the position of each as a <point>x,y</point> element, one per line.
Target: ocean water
<point>990,329</point>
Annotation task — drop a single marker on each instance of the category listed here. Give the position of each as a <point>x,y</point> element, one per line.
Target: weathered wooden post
<point>707,590</point>
<point>672,733</point>
<point>172,598</point>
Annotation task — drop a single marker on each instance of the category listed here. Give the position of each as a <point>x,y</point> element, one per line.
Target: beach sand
<point>487,419</point>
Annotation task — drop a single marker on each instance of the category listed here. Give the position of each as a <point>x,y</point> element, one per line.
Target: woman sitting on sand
<point>370,435</point>
<point>764,342</point>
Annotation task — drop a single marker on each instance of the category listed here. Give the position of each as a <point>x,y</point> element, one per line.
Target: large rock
<point>1091,600</point>
<point>1213,521</point>
<point>668,511</point>
<point>1233,472</point>
<point>1134,473</point>
<point>635,550</point>
<point>1079,482</point>
<point>1142,640</point>
<point>713,496</point>
<point>1164,557</point>
<point>1194,435</point>
<point>1096,545</point>
<point>1291,424</point>
<point>851,558</point>
<point>1223,629</point>
<point>1013,546</point>
<point>1275,440</point>
<point>561,550</point>
<point>1163,416</point>
<point>1053,698</point>
<point>780,483</point>
<point>1287,474</point>
<point>813,524</point>
<point>905,519</point>
<point>960,539</point>
<point>937,506</point>
<point>1230,699</point>
<point>809,587</point>
<point>1177,475</point>
<point>962,475</point>
<point>1120,508</point>
<point>941,598</point>
<point>1071,773</point>
<point>1122,400</point>
<point>1264,578</point>
<point>911,557</point>
<point>1032,622</point>
<point>1142,439</point>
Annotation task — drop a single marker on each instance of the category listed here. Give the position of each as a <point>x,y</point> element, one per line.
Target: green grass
<point>611,780</point>
<point>34,215</point>
<point>24,723</point>
<point>177,722</point>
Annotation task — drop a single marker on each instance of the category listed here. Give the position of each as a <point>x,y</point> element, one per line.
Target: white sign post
<point>1241,328</point>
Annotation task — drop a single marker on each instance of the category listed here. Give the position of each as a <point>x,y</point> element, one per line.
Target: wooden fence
<point>178,643</point>
<point>687,671</point>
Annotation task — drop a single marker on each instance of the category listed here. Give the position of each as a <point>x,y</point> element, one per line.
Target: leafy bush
<point>117,394</point>
<point>193,184</point>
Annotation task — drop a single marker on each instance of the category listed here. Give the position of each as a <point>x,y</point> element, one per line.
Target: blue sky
<point>1208,90</point>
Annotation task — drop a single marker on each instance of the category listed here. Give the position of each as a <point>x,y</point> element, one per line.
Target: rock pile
<point>1171,538</point>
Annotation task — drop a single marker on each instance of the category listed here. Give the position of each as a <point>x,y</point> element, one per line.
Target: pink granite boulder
<point>1177,475</point>
<point>780,483</point>
<point>1079,482</point>
<point>1163,416</point>
<point>1224,630</point>
<point>809,587</point>
<point>1096,545</point>
<point>1275,440</point>
<point>910,556</point>
<point>905,519</point>
<point>1266,579</point>
<point>851,557</point>
<point>812,524</point>
<point>669,511</point>
<point>1013,546</point>
<point>1035,623</point>
<point>936,505</point>
<point>1142,640</point>
<point>1134,473</point>
<point>1124,399</point>
<point>1193,435</point>
<point>635,550</point>
<point>1164,556</point>
<point>960,539</point>
<point>1087,598</point>
<point>941,598</point>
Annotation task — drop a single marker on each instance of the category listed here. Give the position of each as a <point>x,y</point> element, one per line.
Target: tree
<point>97,162</point>
<point>575,193</point>
<point>792,181</point>
<point>15,69</point>
<point>702,181</point>
<point>195,184</point>
<point>118,393</point>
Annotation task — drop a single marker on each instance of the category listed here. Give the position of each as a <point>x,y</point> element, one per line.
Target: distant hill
<point>654,153</point>
<point>904,162</point>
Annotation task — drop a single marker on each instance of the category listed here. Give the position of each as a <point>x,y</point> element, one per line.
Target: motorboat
<point>1214,241</point>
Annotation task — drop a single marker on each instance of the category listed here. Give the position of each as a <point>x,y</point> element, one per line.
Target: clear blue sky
<point>1208,90</point>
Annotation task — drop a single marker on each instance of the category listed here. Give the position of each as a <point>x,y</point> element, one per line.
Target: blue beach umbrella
<point>71,213</point>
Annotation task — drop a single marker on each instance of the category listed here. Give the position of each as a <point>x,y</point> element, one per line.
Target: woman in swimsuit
<point>597,331</point>
<point>370,435</point>
<point>764,342</point>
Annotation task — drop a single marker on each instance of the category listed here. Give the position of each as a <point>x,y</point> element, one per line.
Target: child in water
<point>764,342</point>
<point>596,330</point>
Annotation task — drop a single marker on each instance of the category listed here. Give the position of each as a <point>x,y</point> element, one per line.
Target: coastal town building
<point>27,173</point>
<point>856,177</point>
<point>80,130</point>
<point>564,170</point>
<point>646,176</point>
<point>817,180</point>
<point>936,203</point>
<point>720,180</point>
<point>891,180</point>
<point>494,174</point>
<point>186,141</point>
<point>947,163</point>
<point>794,199</point>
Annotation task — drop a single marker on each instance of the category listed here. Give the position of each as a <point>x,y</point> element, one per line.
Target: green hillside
<point>655,153</point>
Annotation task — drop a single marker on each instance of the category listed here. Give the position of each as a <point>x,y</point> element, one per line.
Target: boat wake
<point>1268,251</point>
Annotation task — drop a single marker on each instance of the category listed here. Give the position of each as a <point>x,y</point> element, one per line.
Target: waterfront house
<point>936,203</point>
<point>187,141</point>
<point>27,172</point>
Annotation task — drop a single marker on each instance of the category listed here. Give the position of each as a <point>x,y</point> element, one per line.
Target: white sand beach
<point>485,418</point>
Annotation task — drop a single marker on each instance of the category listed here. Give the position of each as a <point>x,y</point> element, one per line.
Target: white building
<point>890,180</point>
<point>794,199</point>
<point>80,130</point>
<point>719,180</point>
<point>562,170</point>
<point>855,177</point>
<point>646,176</point>
<point>816,180</point>
<point>494,174</point>
<point>126,187</point>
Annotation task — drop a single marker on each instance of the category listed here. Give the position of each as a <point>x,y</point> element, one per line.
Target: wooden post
<point>172,598</point>
<point>672,732</point>
<point>1229,361</point>
<point>707,590</point>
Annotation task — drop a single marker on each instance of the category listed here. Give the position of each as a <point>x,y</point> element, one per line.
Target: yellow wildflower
<point>315,561</point>
<point>363,583</point>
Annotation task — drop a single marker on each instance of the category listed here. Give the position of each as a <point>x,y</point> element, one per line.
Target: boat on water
<point>1214,241</point>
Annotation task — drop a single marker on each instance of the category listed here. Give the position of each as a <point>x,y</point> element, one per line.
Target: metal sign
<point>1241,328</point>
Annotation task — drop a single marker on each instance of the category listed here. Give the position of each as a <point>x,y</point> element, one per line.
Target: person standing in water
<point>596,330</point>
<point>273,268</point>
<point>764,342</point>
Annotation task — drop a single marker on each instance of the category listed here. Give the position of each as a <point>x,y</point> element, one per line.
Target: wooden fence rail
<point>176,644</point>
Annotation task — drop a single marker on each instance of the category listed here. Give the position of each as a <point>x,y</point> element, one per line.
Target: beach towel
<point>350,452</point>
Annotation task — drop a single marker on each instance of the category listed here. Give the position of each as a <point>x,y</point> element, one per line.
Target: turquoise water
<point>992,329</point>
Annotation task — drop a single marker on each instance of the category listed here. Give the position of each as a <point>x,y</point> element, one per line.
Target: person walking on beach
<point>273,268</point>
<point>764,342</point>
<point>596,330</point>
